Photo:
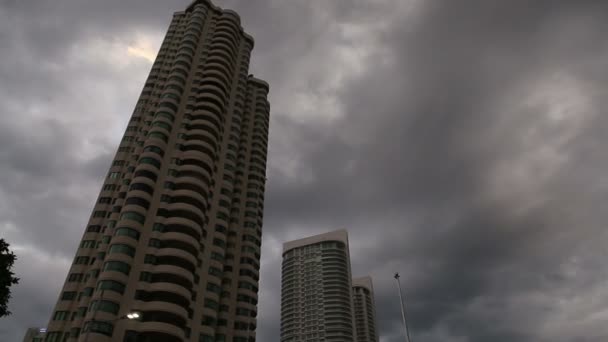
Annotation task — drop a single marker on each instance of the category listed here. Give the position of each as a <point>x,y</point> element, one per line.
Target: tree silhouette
<point>7,259</point>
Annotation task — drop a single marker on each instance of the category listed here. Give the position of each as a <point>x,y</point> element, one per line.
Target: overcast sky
<point>459,142</point>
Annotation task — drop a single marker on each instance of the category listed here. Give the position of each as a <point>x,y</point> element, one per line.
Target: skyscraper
<point>365,310</point>
<point>316,297</point>
<point>174,238</point>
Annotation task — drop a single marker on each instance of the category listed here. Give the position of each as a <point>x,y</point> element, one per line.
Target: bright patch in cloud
<point>144,46</point>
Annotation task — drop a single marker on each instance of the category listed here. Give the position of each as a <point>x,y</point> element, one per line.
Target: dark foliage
<point>7,259</point>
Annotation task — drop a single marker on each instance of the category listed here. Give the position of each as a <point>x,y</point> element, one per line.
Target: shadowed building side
<point>365,310</point>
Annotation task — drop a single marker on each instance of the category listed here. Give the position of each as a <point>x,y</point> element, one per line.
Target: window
<point>99,213</point>
<point>53,336</point>
<point>154,149</point>
<point>158,135</point>
<point>214,288</point>
<point>205,338</point>
<point>109,187</point>
<point>151,161</point>
<point>123,231</point>
<point>208,320</point>
<point>123,249</point>
<point>99,327</point>
<point>68,295</point>
<point>75,332</point>
<point>75,277</point>
<point>211,304</point>
<point>81,260</point>
<point>87,292</point>
<point>105,200</point>
<point>162,125</point>
<point>61,315</point>
<point>117,266</point>
<point>219,242</point>
<point>105,306</point>
<point>158,227</point>
<point>87,244</point>
<point>217,256</point>
<point>93,229</point>
<point>154,243</point>
<point>215,271</point>
<point>131,215</point>
<point>241,326</point>
<point>145,276</point>
<point>111,285</point>
<point>242,312</point>
<point>150,259</point>
<point>166,115</point>
<point>114,175</point>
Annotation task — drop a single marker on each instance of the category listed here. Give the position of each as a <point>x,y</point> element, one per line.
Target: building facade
<point>175,234</point>
<point>365,310</point>
<point>316,292</point>
<point>34,335</point>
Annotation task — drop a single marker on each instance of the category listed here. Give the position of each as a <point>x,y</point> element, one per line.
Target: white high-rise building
<point>316,290</point>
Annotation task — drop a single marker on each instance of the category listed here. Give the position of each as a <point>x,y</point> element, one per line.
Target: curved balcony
<point>196,158</point>
<point>161,306</point>
<point>187,211</point>
<point>219,60</point>
<point>179,221</point>
<point>211,83</point>
<point>165,287</point>
<point>212,98</point>
<point>166,273</point>
<point>218,73</point>
<point>160,332</point>
<point>220,53</point>
<point>181,245</point>
<point>203,124</point>
<point>196,172</point>
<point>204,115</point>
<point>176,257</point>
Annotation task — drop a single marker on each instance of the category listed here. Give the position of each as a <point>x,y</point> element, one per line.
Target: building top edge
<point>338,235</point>
<point>259,81</point>
<point>223,11</point>
<point>365,281</point>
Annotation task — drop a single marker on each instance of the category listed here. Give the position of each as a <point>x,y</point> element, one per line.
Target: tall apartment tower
<point>175,234</point>
<point>365,310</point>
<point>316,293</point>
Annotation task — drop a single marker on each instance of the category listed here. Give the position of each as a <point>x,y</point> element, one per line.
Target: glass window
<point>155,149</point>
<point>100,327</point>
<point>122,248</point>
<point>159,135</point>
<point>131,215</point>
<point>211,304</point>
<point>61,315</point>
<point>123,231</point>
<point>117,266</point>
<point>150,161</point>
<point>105,306</point>
<point>111,285</point>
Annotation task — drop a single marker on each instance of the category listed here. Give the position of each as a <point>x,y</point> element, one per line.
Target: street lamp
<point>407,332</point>
<point>131,315</point>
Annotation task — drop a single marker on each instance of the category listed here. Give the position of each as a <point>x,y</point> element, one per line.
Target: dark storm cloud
<point>460,142</point>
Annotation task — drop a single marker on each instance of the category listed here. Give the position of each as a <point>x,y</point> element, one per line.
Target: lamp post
<point>407,332</point>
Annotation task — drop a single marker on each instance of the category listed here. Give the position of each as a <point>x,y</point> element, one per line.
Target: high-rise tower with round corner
<point>175,233</point>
